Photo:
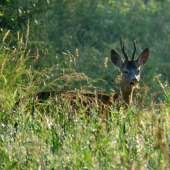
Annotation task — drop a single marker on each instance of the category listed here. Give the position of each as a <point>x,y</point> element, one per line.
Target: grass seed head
<point>3,65</point>
<point>77,52</point>
<point>46,51</point>
<point>14,52</point>
<point>105,63</point>
<point>5,36</point>
<point>36,55</point>
<point>28,52</point>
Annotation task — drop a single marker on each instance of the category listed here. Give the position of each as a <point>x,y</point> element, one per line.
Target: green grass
<point>137,139</point>
<point>43,136</point>
<point>78,37</point>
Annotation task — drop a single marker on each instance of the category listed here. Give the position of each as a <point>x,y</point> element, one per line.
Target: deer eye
<point>125,72</point>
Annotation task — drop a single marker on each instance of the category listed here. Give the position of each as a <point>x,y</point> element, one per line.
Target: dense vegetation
<point>63,44</point>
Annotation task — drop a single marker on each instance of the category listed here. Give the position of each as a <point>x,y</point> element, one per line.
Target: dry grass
<point>57,133</point>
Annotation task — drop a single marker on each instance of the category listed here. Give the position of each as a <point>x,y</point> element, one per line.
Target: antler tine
<point>123,50</point>
<point>133,56</point>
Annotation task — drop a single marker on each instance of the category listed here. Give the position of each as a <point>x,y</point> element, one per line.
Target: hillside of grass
<point>64,46</point>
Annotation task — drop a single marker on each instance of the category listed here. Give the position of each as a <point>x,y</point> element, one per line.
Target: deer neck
<point>126,92</point>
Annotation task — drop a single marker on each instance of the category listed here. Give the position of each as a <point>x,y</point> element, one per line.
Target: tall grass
<point>43,136</point>
<point>77,38</point>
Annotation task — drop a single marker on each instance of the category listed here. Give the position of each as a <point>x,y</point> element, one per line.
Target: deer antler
<point>123,50</point>
<point>133,56</point>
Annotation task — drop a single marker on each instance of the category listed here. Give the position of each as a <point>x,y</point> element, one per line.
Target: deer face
<point>130,73</point>
<point>130,69</point>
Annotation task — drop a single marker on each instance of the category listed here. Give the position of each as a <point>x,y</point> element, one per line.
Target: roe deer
<point>130,70</point>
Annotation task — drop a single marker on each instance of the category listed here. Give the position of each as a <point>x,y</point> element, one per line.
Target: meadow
<point>67,50</point>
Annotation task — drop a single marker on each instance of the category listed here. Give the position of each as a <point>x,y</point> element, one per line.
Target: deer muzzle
<point>134,82</point>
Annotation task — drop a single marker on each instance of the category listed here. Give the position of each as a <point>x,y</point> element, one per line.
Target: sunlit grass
<point>137,139</point>
<point>55,135</point>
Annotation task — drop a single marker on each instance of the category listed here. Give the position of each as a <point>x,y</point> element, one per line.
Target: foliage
<point>67,49</point>
<point>53,135</point>
<point>94,27</point>
<point>15,14</point>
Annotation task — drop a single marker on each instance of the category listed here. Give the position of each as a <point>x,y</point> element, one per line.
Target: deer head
<point>130,69</point>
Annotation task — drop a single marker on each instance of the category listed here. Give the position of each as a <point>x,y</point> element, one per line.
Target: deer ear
<point>116,59</point>
<point>143,58</point>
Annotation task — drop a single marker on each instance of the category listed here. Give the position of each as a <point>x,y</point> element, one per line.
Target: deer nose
<point>134,82</point>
